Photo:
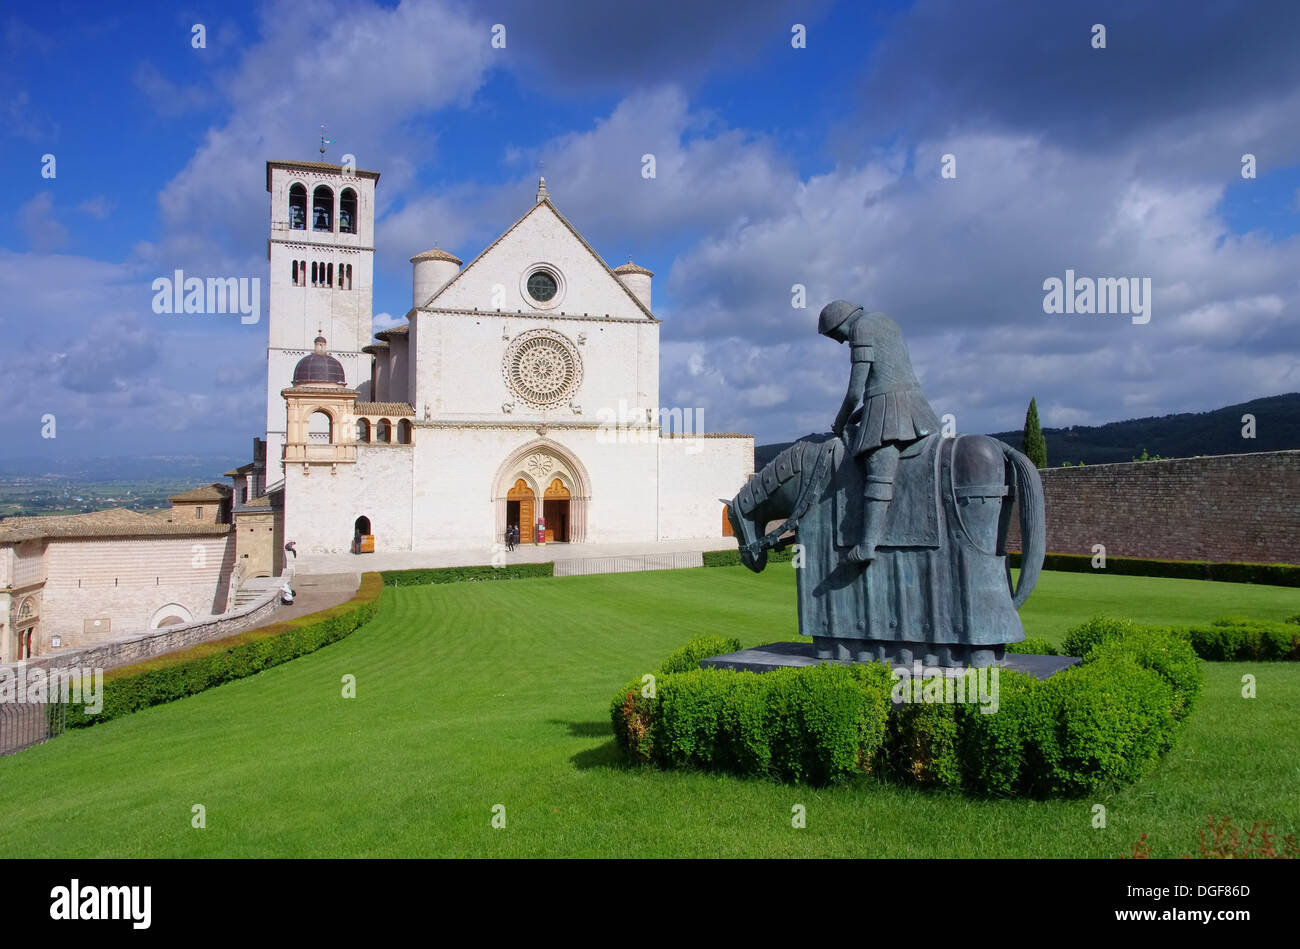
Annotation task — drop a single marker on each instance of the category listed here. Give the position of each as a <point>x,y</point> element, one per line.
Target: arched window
<point>348,211</point>
<point>384,431</point>
<point>363,430</point>
<point>322,209</point>
<point>404,432</point>
<point>320,428</point>
<point>329,275</point>
<point>298,207</point>
<point>313,273</point>
<point>295,273</point>
<point>348,268</point>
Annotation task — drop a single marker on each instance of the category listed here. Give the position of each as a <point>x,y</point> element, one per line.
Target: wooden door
<point>527,522</point>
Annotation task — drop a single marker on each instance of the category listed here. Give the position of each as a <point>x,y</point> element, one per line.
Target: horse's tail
<point>1033,526</point>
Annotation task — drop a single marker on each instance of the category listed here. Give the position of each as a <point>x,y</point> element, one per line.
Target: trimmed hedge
<point>1236,639</point>
<point>1273,574</point>
<point>1034,646</point>
<point>1231,639</point>
<point>190,671</point>
<point>688,657</point>
<point>731,558</point>
<point>514,571</point>
<point>1095,726</point>
<point>817,725</point>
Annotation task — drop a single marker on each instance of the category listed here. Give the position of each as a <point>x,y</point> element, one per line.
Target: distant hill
<point>1277,428</point>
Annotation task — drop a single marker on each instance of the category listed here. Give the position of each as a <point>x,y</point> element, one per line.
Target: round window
<point>541,286</point>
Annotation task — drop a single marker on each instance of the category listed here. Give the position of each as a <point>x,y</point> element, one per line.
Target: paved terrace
<point>311,564</point>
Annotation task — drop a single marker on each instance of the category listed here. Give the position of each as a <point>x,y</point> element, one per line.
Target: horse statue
<point>939,589</point>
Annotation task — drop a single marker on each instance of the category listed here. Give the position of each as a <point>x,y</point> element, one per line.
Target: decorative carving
<point>507,407</point>
<point>540,465</point>
<point>542,368</point>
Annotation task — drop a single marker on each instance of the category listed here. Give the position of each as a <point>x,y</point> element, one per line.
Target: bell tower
<point>321,250</point>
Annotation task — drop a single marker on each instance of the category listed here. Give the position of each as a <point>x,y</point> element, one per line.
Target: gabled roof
<point>209,492</point>
<point>544,202</point>
<point>384,408</point>
<point>114,522</point>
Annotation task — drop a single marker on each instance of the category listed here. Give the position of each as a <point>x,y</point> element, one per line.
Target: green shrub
<point>921,745</point>
<point>1014,750</point>
<point>1113,719</point>
<point>1080,639</point>
<point>731,558</point>
<point>817,725</point>
<point>701,647</point>
<point>190,671</point>
<point>632,714</point>
<point>514,571</point>
<point>1096,725</point>
<point>1033,646</point>
<point>1238,638</point>
<point>1166,652</point>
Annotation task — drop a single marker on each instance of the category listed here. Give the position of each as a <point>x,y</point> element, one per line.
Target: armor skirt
<point>899,416</point>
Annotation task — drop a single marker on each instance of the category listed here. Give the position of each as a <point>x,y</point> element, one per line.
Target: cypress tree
<point>1032,443</point>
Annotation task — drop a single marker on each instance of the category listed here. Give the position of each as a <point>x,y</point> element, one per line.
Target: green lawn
<point>476,694</point>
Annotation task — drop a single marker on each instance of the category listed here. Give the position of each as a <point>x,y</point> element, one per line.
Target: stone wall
<point>134,647</point>
<point>126,580</point>
<point>1226,508</point>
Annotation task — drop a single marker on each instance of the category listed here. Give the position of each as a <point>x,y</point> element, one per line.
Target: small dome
<point>437,254</point>
<point>319,367</point>
<point>630,267</point>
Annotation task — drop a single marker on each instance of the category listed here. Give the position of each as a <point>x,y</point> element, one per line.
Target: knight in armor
<point>893,413</point>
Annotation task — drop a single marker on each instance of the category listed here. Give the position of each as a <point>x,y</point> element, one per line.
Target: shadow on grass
<point>586,729</point>
<point>602,756</point>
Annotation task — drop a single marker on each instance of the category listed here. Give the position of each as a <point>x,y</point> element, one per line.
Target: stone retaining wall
<point>134,647</point>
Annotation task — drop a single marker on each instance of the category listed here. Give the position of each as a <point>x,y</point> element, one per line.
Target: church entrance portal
<point>555,509</point>
<point>520,507</point>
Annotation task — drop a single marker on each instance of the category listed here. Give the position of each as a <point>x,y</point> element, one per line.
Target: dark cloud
<point>947,65</point>
<point>584,46</point>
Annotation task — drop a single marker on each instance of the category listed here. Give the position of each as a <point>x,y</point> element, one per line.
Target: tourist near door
<point>520,502</point>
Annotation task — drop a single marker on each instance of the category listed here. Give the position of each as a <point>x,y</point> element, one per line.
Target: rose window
<point>542,368</point>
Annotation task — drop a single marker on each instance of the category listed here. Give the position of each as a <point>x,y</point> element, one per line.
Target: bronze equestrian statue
<point>901,532</point>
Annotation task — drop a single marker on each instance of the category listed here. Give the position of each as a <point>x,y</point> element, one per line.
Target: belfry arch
<point>551,478</point>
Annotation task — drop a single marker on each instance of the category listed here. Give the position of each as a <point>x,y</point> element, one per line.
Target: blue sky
<point>776,166</point>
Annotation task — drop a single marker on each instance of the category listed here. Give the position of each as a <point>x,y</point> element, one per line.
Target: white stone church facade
<point>523,387</point>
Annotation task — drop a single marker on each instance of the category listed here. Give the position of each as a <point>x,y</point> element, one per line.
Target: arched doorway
<point>726,522</point>
<point>169,615</point>
<point>363,540</point>
<point>555,509</point>
<point>534,467</point>
<point>520,504</point>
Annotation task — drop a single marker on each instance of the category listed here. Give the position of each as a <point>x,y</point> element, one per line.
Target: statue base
<point>785,655</point>
<point>904,653</point>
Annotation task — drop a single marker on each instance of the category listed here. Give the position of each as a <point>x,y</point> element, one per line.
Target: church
<point>522,389</point>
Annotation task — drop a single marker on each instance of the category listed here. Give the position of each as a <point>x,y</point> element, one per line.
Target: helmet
<point>835,315</point>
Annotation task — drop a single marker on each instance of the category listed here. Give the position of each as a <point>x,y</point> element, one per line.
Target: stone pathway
<point>318,591</point>
<point>313,564</point>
